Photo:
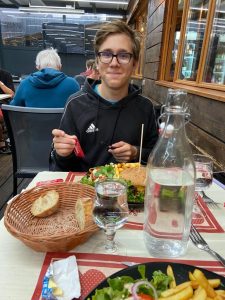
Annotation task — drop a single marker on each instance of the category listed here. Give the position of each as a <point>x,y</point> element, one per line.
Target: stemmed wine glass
<point>110,210</point>
<point>204,176</point>
<point>204,172</point>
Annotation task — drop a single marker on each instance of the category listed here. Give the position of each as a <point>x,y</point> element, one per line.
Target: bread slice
<point>83,212</point>
<point>46,204</point>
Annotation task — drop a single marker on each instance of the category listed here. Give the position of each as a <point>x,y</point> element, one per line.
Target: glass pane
<point>214,71</point>
<point>179,12</point>
<point>197,15</point>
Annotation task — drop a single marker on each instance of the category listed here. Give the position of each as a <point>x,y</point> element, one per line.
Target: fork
<point>200,243</point>
<point>209,201</point>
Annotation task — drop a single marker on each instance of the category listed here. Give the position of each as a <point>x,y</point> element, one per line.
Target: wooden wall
<point>206,130</point>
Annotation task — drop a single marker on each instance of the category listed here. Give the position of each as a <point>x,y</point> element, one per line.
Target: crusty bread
<point>46,204</point>
<point>136,175</point>
<point>83,212</point>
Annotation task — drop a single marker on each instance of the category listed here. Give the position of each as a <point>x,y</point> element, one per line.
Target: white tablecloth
<point>20,266</point>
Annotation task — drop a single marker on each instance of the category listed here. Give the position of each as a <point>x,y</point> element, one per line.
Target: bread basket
<point>58,232</point>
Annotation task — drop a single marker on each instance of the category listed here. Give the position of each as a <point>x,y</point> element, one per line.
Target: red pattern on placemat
<point>92,277</point>
<point>210,224</point>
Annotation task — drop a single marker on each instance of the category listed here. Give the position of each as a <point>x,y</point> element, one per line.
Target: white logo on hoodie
<point>91,128</point>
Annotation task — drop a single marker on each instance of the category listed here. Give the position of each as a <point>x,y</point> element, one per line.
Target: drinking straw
<point>142,130</point>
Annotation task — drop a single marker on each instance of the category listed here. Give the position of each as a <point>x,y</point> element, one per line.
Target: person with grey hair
<point>48,87</point>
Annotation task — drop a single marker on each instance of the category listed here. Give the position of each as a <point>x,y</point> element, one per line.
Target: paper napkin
<point>63,281</point>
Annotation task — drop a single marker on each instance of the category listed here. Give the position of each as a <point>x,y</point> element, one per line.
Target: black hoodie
<point>97,123</point>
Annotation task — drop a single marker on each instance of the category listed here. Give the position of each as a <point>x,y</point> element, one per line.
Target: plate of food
<point>161,280</point>
<point>133,174</point>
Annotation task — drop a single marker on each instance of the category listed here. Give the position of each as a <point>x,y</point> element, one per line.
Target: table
<point>20,266</point>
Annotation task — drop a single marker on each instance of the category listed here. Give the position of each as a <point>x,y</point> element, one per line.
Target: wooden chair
<point>30,133</point>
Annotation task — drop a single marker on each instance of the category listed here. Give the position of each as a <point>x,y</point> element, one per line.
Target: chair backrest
<point>30,133</point>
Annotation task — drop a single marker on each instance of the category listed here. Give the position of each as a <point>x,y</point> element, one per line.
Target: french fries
<point>169,272</point>
<point>197,288</point>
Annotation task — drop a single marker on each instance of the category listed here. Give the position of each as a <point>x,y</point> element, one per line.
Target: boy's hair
<point>116,27</point>
<point>48,58</point>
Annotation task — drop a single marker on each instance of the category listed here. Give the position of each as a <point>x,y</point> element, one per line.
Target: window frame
<point>198,86</point>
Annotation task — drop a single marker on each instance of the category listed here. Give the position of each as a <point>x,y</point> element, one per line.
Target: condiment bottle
<point>170,185</point>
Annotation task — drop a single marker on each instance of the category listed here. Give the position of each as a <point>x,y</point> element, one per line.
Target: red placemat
<point>94,268</point>
<point>202,217</point>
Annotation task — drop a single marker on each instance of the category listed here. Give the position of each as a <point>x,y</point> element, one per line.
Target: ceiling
<point>117,7</point>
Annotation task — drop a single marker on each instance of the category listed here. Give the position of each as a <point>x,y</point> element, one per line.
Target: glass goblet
<point>110,210</point>
<point>204,172</point>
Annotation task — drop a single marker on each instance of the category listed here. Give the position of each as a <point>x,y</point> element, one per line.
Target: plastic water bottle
<point>170,186</point>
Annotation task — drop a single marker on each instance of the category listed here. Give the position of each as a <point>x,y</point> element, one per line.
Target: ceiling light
<point>105,2</point>
<point>51,9</point>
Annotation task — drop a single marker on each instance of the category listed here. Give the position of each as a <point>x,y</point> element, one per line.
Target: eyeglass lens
<point>122,57</point>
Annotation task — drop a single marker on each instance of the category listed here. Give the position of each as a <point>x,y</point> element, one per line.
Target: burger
<point>136,180</point>
<point>132,173</point>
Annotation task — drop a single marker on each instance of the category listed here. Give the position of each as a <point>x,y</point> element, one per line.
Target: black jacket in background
<point>97,123</point>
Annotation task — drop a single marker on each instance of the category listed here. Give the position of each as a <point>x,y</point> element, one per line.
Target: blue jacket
<point>46,88</point>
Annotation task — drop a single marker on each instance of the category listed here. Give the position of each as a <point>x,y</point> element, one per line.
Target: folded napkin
<point>62,281</point>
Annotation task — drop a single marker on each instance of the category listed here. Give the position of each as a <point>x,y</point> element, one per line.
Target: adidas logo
<point>91,128</point>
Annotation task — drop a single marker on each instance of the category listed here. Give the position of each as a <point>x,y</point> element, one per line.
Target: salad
<point>125,287</point>
<point>135,193</point>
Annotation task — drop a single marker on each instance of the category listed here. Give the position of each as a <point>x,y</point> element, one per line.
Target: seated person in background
<point>49,87</point>
<point>107,116</point>
<point>6,87</point>
<point>94,72</point>
<point>82,76</point>
<point>6,83</point>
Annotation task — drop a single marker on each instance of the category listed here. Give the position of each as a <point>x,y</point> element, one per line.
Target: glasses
<point>122,57</point>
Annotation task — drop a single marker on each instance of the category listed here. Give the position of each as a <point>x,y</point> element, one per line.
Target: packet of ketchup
<point>48,182</point>
<point>77,149</point>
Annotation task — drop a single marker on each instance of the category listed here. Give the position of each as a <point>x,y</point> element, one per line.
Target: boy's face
<point>115,75</point>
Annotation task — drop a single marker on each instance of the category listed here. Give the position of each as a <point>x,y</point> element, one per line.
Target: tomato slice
<point>144,297</point>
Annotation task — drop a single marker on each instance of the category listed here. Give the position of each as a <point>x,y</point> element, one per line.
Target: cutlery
<point>128,263</point>
<point>209,201</point>
<point>200,243</point>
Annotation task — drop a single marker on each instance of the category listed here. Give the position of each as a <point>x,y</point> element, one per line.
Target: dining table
<point>22,269</point>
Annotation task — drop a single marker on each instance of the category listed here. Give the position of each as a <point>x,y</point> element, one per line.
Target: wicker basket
<point>58,232</point>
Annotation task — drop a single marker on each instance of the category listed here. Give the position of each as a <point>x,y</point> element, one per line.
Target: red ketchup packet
<point>77,149</point>
<point>48,182</point>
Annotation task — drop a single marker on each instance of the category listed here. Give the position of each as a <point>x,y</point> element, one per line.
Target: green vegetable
<point>108,171</point>
<point>117,289</point>
<point>160,281</point>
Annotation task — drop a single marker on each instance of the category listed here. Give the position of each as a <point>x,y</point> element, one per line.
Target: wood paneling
<point>151,70</point>
<point>206,143</point>
<point>153,54</point>
<point>208,115</point>
<point>154,37</point>
<point>156,93</point>
<point>153,6</point>
<point>156,19</point>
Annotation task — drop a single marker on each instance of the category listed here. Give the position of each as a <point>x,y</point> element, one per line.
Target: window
<point>194,44</point>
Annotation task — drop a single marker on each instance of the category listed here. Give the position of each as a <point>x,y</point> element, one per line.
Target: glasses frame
<point>114,55</point>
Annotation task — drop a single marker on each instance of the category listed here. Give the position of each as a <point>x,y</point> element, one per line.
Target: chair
<point>29,130</point>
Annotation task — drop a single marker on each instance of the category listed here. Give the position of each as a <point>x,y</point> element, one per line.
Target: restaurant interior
<point>182,48</point>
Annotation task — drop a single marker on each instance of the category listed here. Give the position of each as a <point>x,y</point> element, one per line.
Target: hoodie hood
<point>133,92</point>
<point>46,78</point>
